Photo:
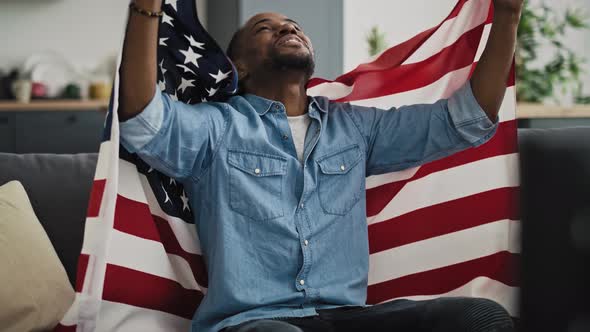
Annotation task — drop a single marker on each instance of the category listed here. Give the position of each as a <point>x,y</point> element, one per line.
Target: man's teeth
<point>290,41</point>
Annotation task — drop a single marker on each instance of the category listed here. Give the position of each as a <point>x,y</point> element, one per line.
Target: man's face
<point>271,39</point>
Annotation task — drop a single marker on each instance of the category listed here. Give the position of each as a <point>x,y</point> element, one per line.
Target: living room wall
<point>85,31</point>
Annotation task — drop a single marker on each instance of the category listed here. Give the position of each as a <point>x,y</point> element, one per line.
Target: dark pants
<point>445,314</point>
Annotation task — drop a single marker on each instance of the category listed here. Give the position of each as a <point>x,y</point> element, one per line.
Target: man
<point>277,178</point>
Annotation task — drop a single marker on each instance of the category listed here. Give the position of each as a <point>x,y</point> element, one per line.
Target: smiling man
<point>277,178</point>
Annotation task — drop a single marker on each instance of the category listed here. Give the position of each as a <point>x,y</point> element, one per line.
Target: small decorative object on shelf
<point>39,90</point>
<point>100,90</point>
<point>22,90</point>
<point>6,83</point>
<point>72,91</point>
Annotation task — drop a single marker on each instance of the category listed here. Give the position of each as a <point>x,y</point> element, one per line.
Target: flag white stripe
<point>185,233</point>
<point>473,14</point>
<point>139,254</point>
<point>129,183</point>
<point>102,164</point>
<point>444,250</point>
<point>480,287</point>
<point>453,183</point>
<point>382,179</point>
<point>130,318</point>
<point>331,90</point>
<point>136,187</point>
<point>150,257</point>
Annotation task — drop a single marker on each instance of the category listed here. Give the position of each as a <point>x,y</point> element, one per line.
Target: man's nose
<point>287,28</point>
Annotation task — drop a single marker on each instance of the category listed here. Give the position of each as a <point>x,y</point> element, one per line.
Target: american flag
<point>448,228</point>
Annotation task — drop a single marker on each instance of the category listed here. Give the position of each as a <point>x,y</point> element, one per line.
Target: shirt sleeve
<point>409,136</point>
<point>175,138</point>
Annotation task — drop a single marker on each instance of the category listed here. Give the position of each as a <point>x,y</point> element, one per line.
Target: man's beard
<point>302,62</point>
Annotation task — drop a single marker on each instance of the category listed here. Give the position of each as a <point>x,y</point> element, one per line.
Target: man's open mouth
<point>290,41</point>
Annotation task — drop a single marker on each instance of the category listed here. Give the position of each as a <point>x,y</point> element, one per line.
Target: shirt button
<point>277,107</point>
<point>301,206</point>
<point>306,243</point>
<point>285,137</point>
<point>343,168</point>
<point>257,171</point>
<point>302,282</point>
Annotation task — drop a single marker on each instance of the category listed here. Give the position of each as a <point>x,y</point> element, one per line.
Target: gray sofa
<point>59,185</point>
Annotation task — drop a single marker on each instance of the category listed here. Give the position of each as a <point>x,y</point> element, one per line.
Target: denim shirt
<point>282,238</point>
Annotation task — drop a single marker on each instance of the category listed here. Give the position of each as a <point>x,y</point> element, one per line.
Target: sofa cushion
<point>36,292</point>
<point>59,190</point>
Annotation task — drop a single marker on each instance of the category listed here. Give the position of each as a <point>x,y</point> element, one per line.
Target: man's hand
<point>490,76</point>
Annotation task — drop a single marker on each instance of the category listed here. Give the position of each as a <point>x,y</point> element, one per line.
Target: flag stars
<point>194,43</point>
<point>172,181</point>
<point>174,96</point>
<point>162,69</point>
<point>184,199</point>
<point>163,41</point>
<point>167,19</point>
<point>172,3</point>
<point>162,85</point>
<point>185,84</point>
<point>186,69</point>
<point>191,56</point>
<point>167,198</point>
<point>220,76</point>
<point>212,91</point>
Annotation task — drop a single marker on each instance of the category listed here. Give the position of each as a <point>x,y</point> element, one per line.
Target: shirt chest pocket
<point>341,180</point>
<point>256,184</point>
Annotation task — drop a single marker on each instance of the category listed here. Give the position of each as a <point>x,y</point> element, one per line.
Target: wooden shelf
<point>539,111</point>
<point>55,105</point>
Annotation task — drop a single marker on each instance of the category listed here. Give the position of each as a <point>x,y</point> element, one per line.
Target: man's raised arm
<point>489,79</point>
<point>139,63</point>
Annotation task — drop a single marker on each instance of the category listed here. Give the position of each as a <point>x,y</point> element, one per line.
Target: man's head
<point>271,42</point>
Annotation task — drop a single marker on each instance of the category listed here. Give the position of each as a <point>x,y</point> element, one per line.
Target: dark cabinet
<point>51,131</point>
<point>7,132</point>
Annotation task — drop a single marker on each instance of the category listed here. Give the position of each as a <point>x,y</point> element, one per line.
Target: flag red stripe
<point>504,142</point>
<point>81,272</point>
<point>96,198</point>
<point>144,290</point>
<point>172,246</point>
<point>394,56</point>
<point>417,75</point>
<point>135,218</point>
<point>501,267</point>
<point>441,219</point>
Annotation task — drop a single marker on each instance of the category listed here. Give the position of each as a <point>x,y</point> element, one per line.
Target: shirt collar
<point>263,105</point>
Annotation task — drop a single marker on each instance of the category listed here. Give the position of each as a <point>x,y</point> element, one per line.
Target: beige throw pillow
<point>34,289</point>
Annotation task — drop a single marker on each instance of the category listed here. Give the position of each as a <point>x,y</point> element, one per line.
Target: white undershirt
<point>299,126</point>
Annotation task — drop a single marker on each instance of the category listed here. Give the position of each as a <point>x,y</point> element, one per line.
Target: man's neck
<point>285,87</point>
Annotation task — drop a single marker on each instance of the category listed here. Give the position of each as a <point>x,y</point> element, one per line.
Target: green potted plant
<point>543,27</point>
<point>376,41</point>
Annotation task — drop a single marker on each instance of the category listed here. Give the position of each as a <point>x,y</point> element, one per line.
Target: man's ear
<point>242,71</point>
